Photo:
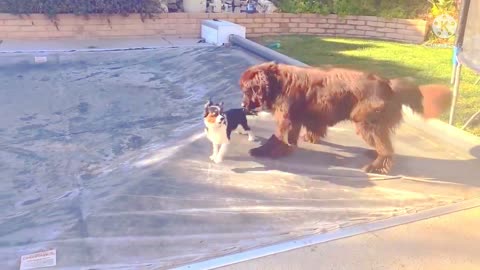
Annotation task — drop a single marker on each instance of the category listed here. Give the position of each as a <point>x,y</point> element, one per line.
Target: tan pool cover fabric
<point>164,206</point>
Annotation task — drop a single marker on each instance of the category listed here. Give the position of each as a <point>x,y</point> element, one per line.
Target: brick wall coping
<point>38,26</point>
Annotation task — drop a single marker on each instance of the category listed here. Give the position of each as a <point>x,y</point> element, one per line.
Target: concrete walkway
<point>446,242</point>
<point>9,46</point>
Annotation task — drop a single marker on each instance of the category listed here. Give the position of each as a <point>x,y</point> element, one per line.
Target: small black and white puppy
<point>219,125</point>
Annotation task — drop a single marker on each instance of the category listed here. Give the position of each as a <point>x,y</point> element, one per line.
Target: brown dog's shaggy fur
<point>319,98</point>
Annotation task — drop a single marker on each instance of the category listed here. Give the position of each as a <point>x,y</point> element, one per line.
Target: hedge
<point>381,8</point>
<point>81,7</point>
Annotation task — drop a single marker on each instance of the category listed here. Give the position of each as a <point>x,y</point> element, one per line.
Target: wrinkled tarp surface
<point>102,158</point>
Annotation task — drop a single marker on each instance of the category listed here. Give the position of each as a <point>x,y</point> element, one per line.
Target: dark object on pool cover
<point>273,148</point>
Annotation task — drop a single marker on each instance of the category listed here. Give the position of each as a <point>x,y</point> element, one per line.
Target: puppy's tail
<point>429,100</point>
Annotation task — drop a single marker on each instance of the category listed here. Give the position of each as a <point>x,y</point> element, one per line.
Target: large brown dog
<point>319,98</point>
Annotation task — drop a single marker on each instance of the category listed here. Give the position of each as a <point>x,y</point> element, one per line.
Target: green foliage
<point>407,9</point>
<point>383,8</point>
<point>303,6</point>
<point>437,8</point>
<point>80,7</point>
<point>442,7</point>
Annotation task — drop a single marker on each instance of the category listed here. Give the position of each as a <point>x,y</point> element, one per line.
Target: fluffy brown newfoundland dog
<point>318,98</point>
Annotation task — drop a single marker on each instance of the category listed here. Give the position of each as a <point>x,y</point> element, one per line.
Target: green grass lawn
<point>391,59</point>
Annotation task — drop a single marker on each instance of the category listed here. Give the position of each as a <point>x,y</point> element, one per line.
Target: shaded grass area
<point>391,59</point>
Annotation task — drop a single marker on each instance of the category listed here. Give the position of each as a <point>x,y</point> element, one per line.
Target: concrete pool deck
<point>107,163</point>
<point>12,46</point>
<point>441,243</point>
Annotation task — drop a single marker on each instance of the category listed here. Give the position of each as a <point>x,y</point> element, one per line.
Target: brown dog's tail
<point>436,99</point>
<point>429,100</point>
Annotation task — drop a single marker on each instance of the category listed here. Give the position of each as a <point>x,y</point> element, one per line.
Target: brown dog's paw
<point>310,138</point>
<point>381,165</point>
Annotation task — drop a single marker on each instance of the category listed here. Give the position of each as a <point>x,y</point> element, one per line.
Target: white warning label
<point>39,259</point>
<point>40,59</point>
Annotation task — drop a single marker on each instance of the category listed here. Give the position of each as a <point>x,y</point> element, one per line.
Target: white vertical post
<point>456,86</point>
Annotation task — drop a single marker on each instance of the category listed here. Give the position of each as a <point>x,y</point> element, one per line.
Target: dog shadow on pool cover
<point>312,164</point>
<point>345,169</point>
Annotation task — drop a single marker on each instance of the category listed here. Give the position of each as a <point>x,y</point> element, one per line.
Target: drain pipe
<point>264,52</point>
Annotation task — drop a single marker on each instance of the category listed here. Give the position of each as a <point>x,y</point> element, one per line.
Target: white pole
<point>454,70</point>
<point>455,64</point>
<point>456,86</point>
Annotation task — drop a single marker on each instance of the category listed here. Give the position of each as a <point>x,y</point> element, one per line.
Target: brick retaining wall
<point>188,25</point>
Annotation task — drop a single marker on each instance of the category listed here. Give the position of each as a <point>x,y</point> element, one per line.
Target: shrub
<point>407,9</point>
<point>382,8</point>
<point>51,8</point>
<point>443,7</point>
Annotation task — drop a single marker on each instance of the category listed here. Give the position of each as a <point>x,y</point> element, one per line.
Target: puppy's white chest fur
<point>217,133</point>
<point>219,126</point>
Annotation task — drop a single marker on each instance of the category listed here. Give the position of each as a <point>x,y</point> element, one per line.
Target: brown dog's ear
<point>261,81</point>
<point>268,67</point>
<point>258,75</point>
<point>258,70</point>
<point>271,83</point>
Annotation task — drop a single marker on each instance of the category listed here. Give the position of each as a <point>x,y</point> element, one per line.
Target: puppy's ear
<point>221,104</point>
<point>209,102</point>
<point>205,108</point>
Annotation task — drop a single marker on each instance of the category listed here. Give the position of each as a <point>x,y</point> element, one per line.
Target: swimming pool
<point>103,159</point>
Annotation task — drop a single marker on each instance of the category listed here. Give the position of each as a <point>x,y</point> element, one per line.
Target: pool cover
<point>102,158</point>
